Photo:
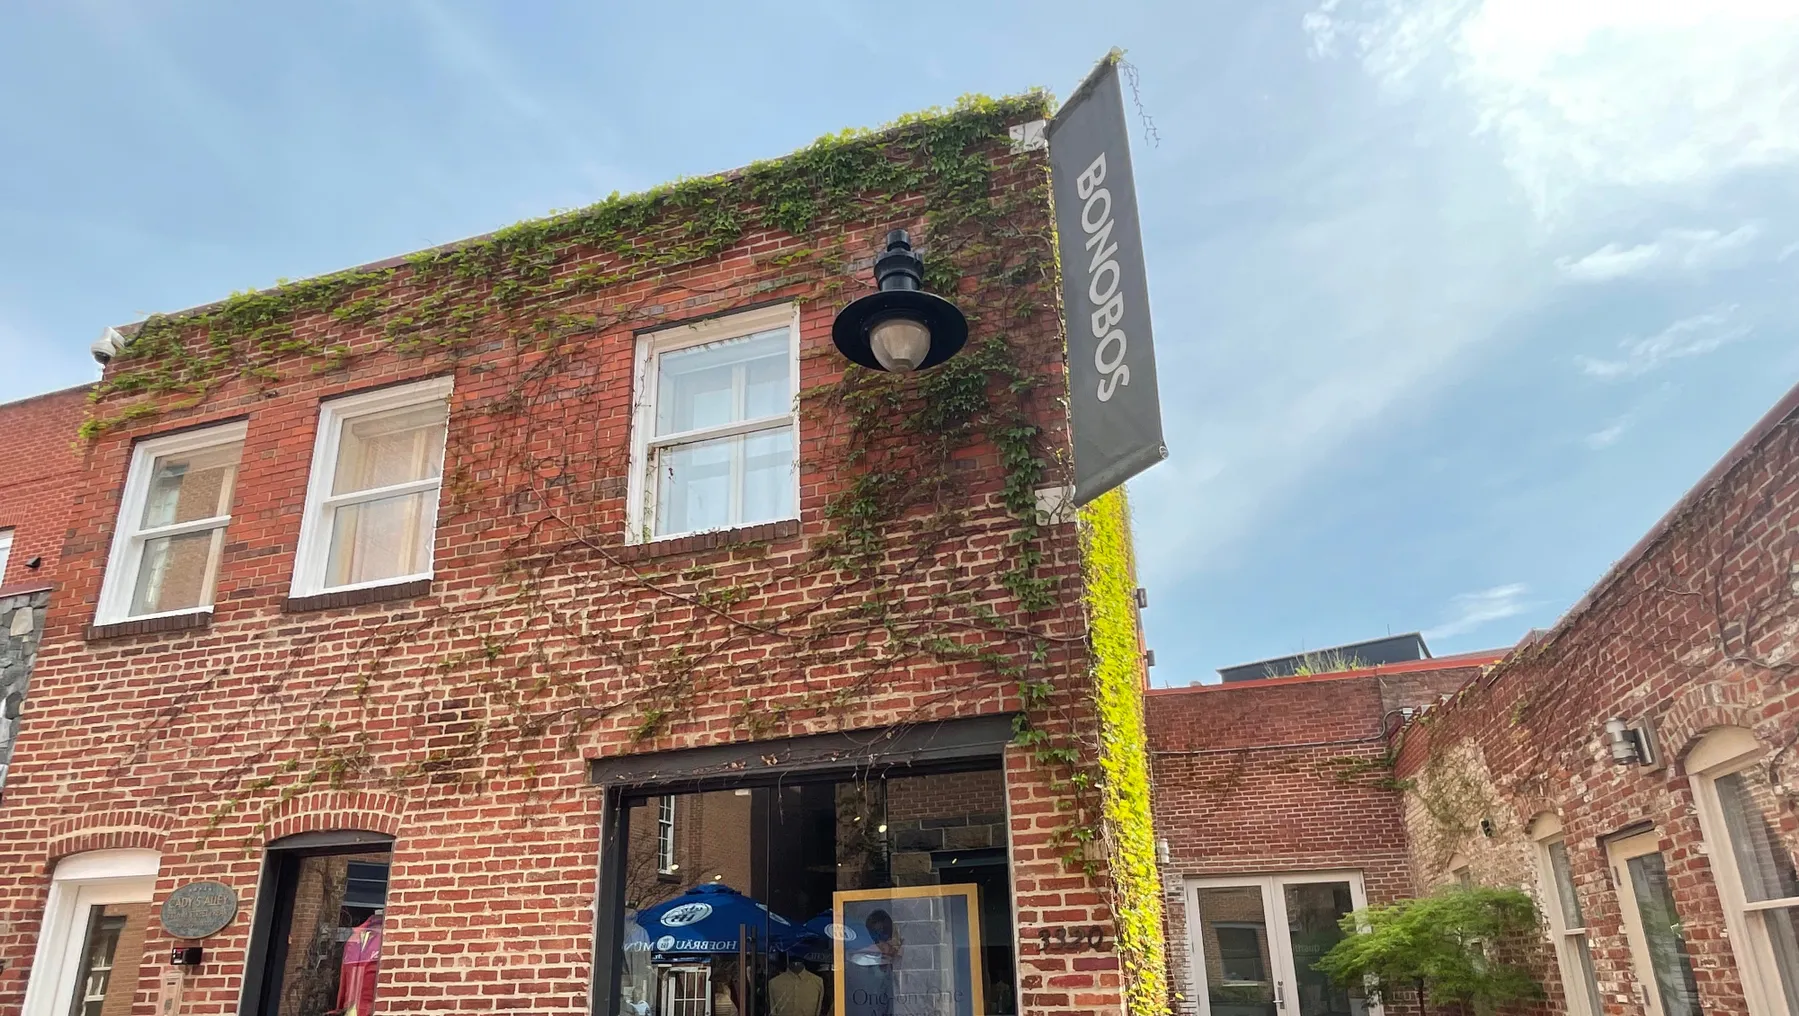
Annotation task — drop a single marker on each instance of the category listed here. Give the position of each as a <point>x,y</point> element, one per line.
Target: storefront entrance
<point>865,891</point>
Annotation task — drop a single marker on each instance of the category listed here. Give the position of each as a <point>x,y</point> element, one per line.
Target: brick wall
<point>1286,775</point>
<point>199,742</point>
<point>1693,630</point>
<point>43,462</point>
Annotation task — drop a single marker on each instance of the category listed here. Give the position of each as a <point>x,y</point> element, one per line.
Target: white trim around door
<point>80,884</point>
<point>1252,939</point>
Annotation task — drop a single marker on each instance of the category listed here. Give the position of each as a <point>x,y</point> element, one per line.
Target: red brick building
<point>44,468</point>
<point>1277,807</point>
<point>1633,765</point>
<point>44,459</point>
<point>394,603</point>
<point>1630,768</point>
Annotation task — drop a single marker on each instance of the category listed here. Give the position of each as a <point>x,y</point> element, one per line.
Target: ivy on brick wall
<point>1127,825</point>
<point>514,290</point>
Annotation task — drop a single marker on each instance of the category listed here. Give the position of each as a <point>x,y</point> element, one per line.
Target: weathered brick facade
<point>44,466</point>
<point>35,497</point>
<point>459,715</point>
<point>1286,775</point>
<point>1692,631</point>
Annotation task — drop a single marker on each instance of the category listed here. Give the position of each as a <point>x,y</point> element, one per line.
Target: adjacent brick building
<point>43,467</point>
<point>36,492</point>
<point>1676,864</point>
<point>1269,795</point>
<point>396,600</point>
<point>1630,768</point>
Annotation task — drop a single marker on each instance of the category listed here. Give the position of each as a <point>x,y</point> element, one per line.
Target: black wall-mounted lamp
<point>901,328</point>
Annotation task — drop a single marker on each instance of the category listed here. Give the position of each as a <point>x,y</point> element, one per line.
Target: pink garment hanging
<point>362,958</point>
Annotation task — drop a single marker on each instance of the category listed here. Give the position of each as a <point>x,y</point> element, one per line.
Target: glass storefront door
<point>1256,941</point>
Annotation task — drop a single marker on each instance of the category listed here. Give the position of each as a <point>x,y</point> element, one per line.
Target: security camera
<point>108,345</point>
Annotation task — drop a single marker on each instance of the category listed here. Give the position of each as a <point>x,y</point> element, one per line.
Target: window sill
<point>782,530</point>
<point>150,625</point>
<point>411,590</point>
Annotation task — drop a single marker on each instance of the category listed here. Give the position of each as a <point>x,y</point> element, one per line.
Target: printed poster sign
<point>911,951</point>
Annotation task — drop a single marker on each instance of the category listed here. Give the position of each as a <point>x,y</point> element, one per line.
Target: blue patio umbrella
<point>709,919</point>
<point>815,938</point>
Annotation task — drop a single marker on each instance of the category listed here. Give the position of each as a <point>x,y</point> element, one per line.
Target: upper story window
<point>1739,812</point>
<point>171,529</point>
<point>371,504</point>
<point>715,430</point>
<point>665,836</point>
<point>5,552</point>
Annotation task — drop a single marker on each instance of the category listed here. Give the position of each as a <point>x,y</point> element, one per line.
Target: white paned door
<point>1253,942</point>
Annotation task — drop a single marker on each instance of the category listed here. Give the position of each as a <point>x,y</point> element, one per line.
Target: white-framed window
<point>714,432</point>
<point>371,502</point>
<point>1567,921</point>
<point>5,552</point>
<point>665,835</point>
<point>171,527</point>
<point>1738,813</point>
<point>686,990</point>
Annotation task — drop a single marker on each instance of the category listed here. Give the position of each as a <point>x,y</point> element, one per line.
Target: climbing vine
<point>517,310</point>
<point>1124,749</point>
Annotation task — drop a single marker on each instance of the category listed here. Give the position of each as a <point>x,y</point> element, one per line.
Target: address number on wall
<point>1072,939</point>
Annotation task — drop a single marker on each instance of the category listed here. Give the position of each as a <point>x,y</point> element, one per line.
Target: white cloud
<point>1597,93</point>
<point>1607,436</point>
<point>1688,337</point>
<point>1470,611</point>
<point>1396,250</point>
<point>1683,250</point>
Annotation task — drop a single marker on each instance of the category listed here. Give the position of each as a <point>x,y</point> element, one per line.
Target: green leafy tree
<point>1453,946</point>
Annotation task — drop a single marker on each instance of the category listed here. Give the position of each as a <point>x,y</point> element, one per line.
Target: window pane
<point>1582,955</point>
<point>188,486</point>
<point>1763,861</point>
<point>382,539</point>
<point>389,448</point>
<point>1314,910</point>
<point>767,476</point>
<point>1783,938</point>
<point>1233,931</point>
<point>111,957</point>
<point>694,482</point>
<point>900,886</point>
<point>723,382</point>
<point>766,388</point>
<point>1667,942</point>
<point>693,486</point>
<point>176,572</point>
<point>330,951</point>
<point>1564,885</point>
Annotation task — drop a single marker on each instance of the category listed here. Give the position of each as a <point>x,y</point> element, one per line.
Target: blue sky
<point>1453,298</point>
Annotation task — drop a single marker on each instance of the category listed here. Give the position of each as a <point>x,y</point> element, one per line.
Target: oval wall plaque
<point>199,909</point>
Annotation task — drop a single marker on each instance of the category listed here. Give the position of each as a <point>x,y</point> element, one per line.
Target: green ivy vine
<point>902,434</point>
